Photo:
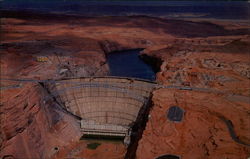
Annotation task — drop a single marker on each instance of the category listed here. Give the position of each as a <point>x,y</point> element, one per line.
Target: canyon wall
<point>216,116</point>
<point>183,53</point>
<point>32,128</point>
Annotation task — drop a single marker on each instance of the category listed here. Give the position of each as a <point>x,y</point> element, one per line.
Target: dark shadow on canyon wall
<point>138,128</point>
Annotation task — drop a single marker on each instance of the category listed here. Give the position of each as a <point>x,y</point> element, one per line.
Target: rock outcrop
<point>216,116</point>
<point>32,128</point>
<point>202,133</point>
<point>211,55</point>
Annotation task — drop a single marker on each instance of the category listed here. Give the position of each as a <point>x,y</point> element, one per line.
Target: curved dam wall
<point>106,105</point>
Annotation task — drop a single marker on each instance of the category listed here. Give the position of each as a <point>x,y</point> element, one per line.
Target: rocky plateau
<point>211,56</point>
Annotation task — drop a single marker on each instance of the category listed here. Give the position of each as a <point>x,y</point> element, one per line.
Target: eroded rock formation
<point>32,128</point>
<point>212,55</point>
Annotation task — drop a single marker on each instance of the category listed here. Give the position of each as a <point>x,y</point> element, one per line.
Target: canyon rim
<point>201,66</point>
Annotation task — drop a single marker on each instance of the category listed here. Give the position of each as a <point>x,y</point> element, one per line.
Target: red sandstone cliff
<point>204,133</point>
<point>190,53</point>
<point>31,128</point>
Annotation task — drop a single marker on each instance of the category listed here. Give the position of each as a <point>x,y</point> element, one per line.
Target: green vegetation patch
<point>93,145</point>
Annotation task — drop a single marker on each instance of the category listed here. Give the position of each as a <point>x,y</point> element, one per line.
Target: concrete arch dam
<point>107,106</point>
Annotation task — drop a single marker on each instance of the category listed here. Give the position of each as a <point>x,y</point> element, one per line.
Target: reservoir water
<point>129,64</point>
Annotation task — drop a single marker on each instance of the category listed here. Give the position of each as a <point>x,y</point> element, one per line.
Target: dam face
<point>107,106</point>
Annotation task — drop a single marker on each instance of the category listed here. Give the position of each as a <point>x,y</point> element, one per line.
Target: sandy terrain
<point>212,55</point>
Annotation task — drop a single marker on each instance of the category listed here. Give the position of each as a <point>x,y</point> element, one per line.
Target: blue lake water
<point>128,64</point>
<point>175,9</point>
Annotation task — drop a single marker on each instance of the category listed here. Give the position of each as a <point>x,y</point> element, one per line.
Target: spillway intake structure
<point>107,106</point>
